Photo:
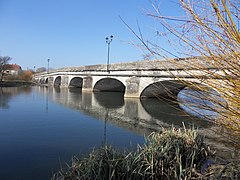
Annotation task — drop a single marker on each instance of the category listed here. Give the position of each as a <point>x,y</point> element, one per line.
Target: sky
<point>72,32</point>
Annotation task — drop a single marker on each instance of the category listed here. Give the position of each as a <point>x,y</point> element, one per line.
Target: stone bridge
<point>135,79</point>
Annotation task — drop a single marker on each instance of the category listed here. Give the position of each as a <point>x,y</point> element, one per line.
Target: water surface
<point>43,127</point>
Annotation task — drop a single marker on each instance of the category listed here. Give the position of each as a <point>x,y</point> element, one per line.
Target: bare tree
<point>41,69</point>
<point>147,56</point>
<point>4,60</point>
<point>209,30</point>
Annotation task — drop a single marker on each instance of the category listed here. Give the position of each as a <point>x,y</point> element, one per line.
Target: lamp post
<point>108,41</point>
<point>48,65</point>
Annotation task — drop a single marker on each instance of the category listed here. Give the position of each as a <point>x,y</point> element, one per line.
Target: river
<point>42,128</point>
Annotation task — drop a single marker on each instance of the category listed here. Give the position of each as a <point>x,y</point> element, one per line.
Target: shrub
<point>171,154</point>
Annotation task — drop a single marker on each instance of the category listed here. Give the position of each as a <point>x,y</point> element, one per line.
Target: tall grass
<point>172,154</point>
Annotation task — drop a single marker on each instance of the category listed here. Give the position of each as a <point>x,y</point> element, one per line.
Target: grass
<point>171,154</point>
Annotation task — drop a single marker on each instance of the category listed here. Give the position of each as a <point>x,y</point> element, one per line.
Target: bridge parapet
<point>160,65</point>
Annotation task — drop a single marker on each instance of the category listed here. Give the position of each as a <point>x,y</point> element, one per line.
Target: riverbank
<point>15,83</point>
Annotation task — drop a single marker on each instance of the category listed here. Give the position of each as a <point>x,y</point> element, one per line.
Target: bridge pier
<point>50,81</point>
<point>132,87</point>
<point>87,84</point>
<point>64,81</point>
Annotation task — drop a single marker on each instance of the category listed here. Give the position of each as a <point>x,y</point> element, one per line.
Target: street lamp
<point>48,65</point>
<point>108,41</point>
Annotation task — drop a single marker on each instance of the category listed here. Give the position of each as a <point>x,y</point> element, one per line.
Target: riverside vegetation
<point>170,154</point>
<point>22,79</point>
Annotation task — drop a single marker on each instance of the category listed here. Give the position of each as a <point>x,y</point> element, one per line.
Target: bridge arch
<point>46,81</point>
<point>195,98</point>
<point>202,101</point>
<point>171,89</point>
<point>163,89</point>
<point>76,82</point>
<point>109,85</point>
<point>57,81</point>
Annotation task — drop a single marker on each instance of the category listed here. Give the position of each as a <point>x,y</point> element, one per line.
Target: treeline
<point>22,76</point>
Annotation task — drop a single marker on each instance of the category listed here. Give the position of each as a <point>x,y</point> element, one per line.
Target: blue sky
<point>73,32</point>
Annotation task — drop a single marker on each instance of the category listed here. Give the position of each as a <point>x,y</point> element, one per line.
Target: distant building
<point>12,69</point>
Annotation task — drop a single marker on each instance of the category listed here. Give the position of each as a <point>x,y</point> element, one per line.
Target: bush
<point>22,76</point>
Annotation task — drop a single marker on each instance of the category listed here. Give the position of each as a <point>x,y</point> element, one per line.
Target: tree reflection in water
<point>6,94</point>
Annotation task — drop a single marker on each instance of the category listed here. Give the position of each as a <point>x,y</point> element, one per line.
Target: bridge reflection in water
<point>140,116</point>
